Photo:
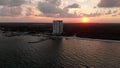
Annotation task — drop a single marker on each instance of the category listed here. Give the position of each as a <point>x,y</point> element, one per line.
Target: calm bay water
<point>17,52</point>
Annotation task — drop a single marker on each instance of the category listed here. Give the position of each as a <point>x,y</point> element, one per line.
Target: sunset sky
<point>103,11</point>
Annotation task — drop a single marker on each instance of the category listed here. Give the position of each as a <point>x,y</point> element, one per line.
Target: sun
<point>85,20</point>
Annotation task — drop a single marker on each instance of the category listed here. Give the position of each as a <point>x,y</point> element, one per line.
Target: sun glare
<point>85,20</point>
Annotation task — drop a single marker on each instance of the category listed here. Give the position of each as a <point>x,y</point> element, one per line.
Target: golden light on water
<point>85,20</point>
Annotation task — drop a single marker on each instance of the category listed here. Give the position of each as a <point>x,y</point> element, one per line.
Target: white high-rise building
<point>57,27</point>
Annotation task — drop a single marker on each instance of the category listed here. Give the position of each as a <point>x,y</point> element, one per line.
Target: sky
<point>102,11</point>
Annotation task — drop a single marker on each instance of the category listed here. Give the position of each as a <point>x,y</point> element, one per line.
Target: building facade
<point>57,27</point>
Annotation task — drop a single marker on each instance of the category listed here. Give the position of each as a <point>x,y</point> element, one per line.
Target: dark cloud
<point>13,11</point>
<point>109,3</point>
<point>16,11</point>
<point>55,2</point>
<point>46,7</point>
<point>13,7</point>
<point>91,14</point>
<point>75,5</point>
<point>11,3</point>
<point>52,8</point>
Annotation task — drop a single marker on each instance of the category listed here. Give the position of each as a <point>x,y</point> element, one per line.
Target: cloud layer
<point>11,7</point>
<point>54,8</point>
<point>11,3</point>
<point>109,3</point>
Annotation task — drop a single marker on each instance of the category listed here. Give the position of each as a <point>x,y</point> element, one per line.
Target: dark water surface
<point>16,52</point>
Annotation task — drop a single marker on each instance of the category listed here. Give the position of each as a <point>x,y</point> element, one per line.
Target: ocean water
<point>26,51</point>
